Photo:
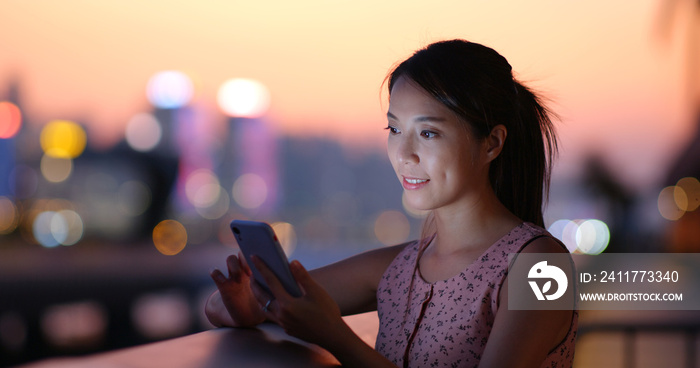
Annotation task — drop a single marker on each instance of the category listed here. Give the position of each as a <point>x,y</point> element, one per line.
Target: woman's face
<point>436,160</point>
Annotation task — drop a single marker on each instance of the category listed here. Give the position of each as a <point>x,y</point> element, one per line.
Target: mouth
<point>414,183</point>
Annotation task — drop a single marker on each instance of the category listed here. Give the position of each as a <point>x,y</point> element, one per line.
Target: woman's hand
<point>235,304</point>
<point>314,316</point>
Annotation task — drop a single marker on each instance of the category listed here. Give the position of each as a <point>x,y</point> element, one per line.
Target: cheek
<point>456,169</point>
<point>442,162</point>
<point>391,153</point>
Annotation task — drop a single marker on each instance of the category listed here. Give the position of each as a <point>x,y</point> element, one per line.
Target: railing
<point>633,325</point>
<point>264,346</point>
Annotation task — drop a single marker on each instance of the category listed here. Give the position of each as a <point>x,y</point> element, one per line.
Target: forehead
<point>407,97</point>
<point>410,102</point>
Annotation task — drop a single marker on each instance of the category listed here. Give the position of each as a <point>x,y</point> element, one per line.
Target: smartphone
<point>258,238</point>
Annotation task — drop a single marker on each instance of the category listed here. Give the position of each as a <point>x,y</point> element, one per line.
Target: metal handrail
<point>691,329</point>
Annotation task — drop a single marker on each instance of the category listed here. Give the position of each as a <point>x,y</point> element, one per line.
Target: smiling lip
<point>414,183</point>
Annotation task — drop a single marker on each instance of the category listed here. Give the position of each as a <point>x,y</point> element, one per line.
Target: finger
<point>269,310</point>
<point>260,294</point>
<point>218,276</point>
<point>273,283</point>
<point>266,302</point>
<point>233,265</point>
<point>302,276</point>
<point>244,264</point>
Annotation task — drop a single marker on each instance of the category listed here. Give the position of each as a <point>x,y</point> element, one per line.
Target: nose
<point>406,151</point>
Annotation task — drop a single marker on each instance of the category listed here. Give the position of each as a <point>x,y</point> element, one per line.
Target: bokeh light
<point>204,192</point>
<point>10,119</point>
<point>67,226</point>
<point>75,324</point>
<point>249,191</point>
<point>161,315</point>
<point>169,89</point>
<point>592,237</point>
<point>392,227</point>
<point>169,237</point>
<point>134,197</point>
<point>9,216</point>
<point>42,229</point>
<point>245,98</point>
<point>680,198</point>
<point>286,235</point>
<point>564,230</point>
<point>55,169</point>
<point>202,188</point>
<point>143,132</point>
<point>217,209</point>
<point>53,228</point>
<point>569,234</point>
<point>687,194</point>
<point>668,207</point>
<point>589,236</point>
<point>63,139</point>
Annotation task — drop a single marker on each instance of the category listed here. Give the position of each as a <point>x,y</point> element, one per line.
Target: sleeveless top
<point>447,323</point>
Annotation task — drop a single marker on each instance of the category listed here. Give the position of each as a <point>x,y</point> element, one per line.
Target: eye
<point>428,134</point>
<point>392,130</point>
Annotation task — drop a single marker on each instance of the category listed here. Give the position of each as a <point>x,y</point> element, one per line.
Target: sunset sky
<point>617,84</point>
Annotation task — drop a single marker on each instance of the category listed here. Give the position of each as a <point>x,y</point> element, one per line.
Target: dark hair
<point>477,84</point>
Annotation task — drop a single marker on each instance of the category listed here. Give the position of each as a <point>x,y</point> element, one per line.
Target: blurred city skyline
<point>618,88</point>
<point>111,159</point>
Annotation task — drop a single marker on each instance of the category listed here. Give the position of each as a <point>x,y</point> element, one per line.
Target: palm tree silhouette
<point>684,16</point>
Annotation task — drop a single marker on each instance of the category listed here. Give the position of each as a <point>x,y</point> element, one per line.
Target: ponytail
<point>521,174</point>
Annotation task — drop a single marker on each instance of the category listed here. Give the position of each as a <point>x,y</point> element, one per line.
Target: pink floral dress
<point>447,323</point>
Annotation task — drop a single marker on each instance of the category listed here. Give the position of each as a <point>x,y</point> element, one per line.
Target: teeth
<point>416,181</point>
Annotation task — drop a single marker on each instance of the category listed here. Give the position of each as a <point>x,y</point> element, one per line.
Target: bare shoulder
<point>547,244</point>
<point>524,338</point>
<point>544,244</point>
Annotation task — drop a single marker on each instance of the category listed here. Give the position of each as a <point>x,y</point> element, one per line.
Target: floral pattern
<point>447,323</point>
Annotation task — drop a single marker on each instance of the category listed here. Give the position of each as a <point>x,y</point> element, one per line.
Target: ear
<point>494,142</point>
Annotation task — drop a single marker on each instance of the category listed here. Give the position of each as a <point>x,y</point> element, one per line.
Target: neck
<point>472,226</point>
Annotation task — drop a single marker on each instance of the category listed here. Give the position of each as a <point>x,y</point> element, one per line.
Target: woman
<point>472,146</point>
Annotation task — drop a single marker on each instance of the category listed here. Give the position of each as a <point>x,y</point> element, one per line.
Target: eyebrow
<point>420,119</point>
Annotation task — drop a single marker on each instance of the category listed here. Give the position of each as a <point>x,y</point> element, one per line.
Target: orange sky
<point>618,89</point>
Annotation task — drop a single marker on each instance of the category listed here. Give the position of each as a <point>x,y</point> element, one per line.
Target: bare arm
<point>315,317</point>
<point>352,283</point>
<point>523,338</point>
<point>344,287</point>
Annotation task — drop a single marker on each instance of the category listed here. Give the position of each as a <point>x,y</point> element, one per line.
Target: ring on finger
<point>267,306</point>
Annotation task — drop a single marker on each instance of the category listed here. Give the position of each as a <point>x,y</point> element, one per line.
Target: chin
<point>418,206</point>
